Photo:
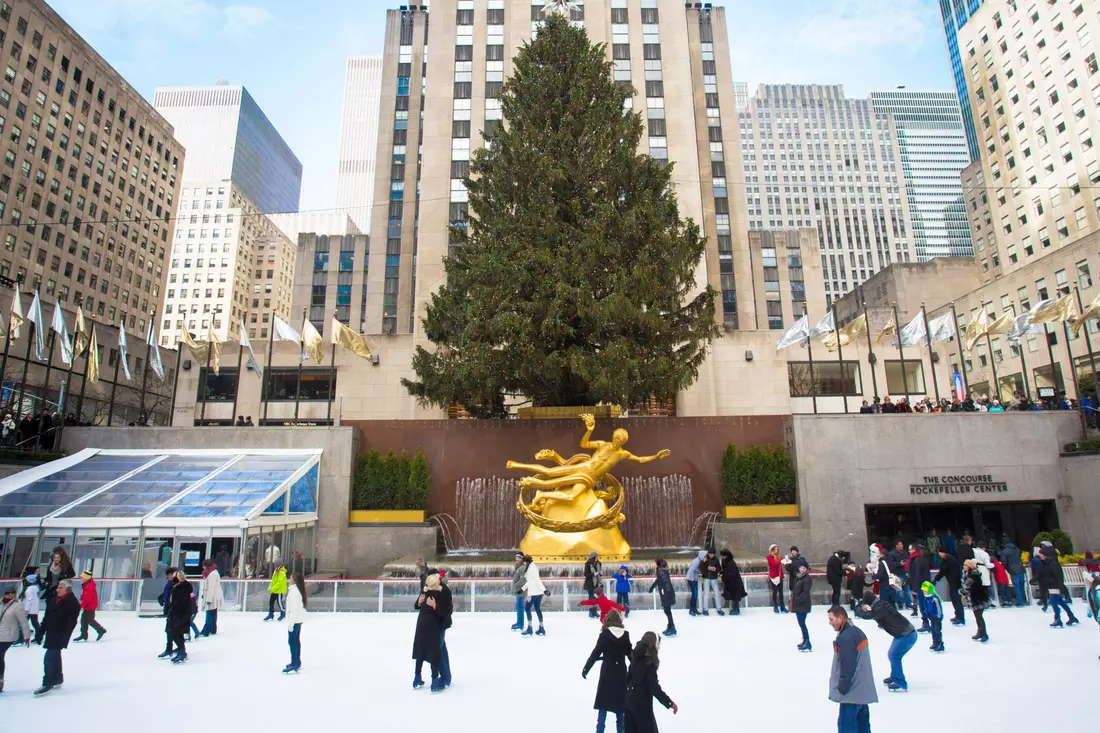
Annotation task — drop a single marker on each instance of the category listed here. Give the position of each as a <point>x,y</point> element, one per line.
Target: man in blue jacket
<point>852,682</point>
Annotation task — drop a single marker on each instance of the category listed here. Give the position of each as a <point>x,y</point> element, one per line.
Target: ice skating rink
<point>741,673</point>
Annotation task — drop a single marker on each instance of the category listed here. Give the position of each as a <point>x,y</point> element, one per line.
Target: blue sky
<point>290,54</point>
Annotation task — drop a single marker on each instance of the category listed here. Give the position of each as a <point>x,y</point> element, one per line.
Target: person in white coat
<point>13,626</point>
<point>985,564</point>
<point>295,616</point>
<point>535,590</point>
<point>212,598</point>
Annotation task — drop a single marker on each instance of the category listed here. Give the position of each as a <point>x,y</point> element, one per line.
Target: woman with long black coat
<point>642,687</point>
<point>61,568</point>
<point>179,617</point>
<point>427,643</point>
<point>733,588</point>
<point>667,592</point>
<point>613,647</point>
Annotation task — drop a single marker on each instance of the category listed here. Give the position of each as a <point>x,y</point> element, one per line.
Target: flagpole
<point>1023,361</point>
<point>840,357</point>
<point>959,341</point>
<point>46,387</point>
<point>26,365</point>
<point>267,375</point>
<point>931,353</point>
<point>332,377</point>
<point>114,386</point>
<point>84,381</point>
<point>1085,326</point>
<point>1076,387</point>
<point>68,378</point>
<point>240,357</point>
<point>145,372</point>
<point>901,354</point>
<point>206,379</point>
<point>4,363</point>
<point>176,384</point>
<point>870,349</point>
<point>1053,372</point>
<point>301,358</point>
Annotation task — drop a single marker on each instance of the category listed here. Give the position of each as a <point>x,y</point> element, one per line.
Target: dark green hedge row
<point>757,475</point>
<point>391,481</point>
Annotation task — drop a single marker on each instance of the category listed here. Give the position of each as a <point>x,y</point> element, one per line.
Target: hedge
<point>1081,446</point>
<point>391,481</point>
<point>1059,538</point>
<point>757,475</point>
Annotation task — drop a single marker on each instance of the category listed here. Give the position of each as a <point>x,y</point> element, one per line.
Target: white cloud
<point>149,15</point>
<point>242,21</point>
<point>861,25</point>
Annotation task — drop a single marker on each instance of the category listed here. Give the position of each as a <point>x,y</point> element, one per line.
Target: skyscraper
<point>229,138</point>
<point>933,153</point>
<point>359,139</point>
<point>814,158</point>
<point>955,14</point>
<point>437,98</point>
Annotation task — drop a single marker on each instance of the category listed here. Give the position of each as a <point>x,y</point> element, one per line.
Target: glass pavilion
<point>128,514</point>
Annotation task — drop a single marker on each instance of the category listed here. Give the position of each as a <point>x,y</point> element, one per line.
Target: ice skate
<point>540,632</point>
<point>166,654</point>
<point>179,658</point>
<point>437,685</point>
<point>418,682</point>
<point>43,690</point>
<point>895,687</point>
<point>101,634</point>
<point>669,632</point>
<point>527,632</point>
<point>295,668</point>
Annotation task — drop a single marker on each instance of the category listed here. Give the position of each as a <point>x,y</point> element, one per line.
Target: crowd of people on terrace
<point>983,403</point>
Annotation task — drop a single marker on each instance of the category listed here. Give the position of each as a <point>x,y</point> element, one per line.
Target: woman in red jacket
<point>89,604</point>
<point>775,579</point>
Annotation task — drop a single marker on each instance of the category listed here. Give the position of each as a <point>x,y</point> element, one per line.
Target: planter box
<point>560,413</point>
<point>385,516</point>
<point>762,512</point>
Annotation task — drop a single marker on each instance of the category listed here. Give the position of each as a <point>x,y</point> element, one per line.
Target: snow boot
<point>418,682</point>
<point>540,632</point>
<point>101,634</point>
<point>180,658</point>
<point>527,632</point>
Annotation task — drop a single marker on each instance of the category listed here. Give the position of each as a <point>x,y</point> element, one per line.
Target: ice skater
<point>622,588</point>
<point>667,594</point>
<point>692,579</point>
<point>446,612</point>
<point>61,568</point>
<point>733,587</point>
<point>427,646</point>
<point>276,592</point>
<point>58,628</point>
<point>933,614</point>
<point>852,682</point>
<point>535,590</point>
<point>212,596</point>
<point>801,602</point>
<point>296,606</point>
<point>603,604</point>
<point>1092,595</point>
<point>179,619</point>
<point>593,579</point>
<point>710,569</point>
<point>613,648</point>
<point>978,594</point>
<point>890,620</point>
<point>15,626</point>
<point>89,604</point>
<point>775,579</point>
<point>642,687</point>
<point>519,580</point>
<point>951,571</point>
<point>31,603</point>
<point>1052,583</point>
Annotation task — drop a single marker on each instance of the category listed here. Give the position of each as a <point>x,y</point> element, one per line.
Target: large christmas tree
<point>571,285</point>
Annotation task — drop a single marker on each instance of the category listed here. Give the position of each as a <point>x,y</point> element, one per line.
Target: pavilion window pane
<point>47,495</point>
<point>20,547</point>
<point>90,552</point>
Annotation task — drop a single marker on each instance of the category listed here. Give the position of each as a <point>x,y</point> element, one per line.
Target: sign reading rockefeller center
<point>967,484</point>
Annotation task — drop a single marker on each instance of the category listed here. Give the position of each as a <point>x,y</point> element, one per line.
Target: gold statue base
<point>547,546</point>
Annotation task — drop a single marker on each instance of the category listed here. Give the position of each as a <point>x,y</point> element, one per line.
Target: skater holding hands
<point>643,687</point>
<point>613,648</point>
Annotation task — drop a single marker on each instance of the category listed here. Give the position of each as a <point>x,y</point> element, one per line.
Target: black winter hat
<point>868,598</point>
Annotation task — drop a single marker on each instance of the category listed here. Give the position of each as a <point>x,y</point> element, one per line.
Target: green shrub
<point>757,475</point>
<point>1081,446</point>
<point>1059,538</point>
<point>391,481</point>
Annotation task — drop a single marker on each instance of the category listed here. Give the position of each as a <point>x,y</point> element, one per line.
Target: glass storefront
<point>1020,521</point>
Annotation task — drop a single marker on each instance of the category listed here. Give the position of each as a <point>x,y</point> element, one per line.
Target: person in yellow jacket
<point>276,590</point>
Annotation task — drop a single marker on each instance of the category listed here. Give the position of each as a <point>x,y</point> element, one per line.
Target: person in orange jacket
<point>89,604</point>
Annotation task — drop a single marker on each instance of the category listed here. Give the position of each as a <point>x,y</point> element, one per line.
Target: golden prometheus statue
<point>571,515</point>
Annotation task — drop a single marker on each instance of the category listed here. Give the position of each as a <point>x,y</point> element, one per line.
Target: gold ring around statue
<point>608,519</point>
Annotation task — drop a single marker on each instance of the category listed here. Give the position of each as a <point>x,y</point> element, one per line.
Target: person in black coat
<point>920,570</point>
<point>663,585</point>
<point>965,549</point>
<point>951,570</point>
<point>446,611</point>
<point>593,573</point>
<point>801,603</point>
<point>58,627</point>
<point>60,568</point>
<point>642,687</point>
<point>733,587</point>
<point>178,622</point>
<point>613,647</point>
<point>834,575</point>
<point>427,646</point>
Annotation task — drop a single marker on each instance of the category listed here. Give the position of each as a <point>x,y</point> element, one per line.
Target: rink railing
<point>394,595</point>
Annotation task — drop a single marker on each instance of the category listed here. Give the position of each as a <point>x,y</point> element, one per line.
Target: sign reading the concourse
<point>963,484</point>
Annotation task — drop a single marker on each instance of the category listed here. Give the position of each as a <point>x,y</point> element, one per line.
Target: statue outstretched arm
<point>590,423</point>
<point>647,459</point>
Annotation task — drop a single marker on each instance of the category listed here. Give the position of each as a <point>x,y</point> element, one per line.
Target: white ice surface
<point>741,673</point>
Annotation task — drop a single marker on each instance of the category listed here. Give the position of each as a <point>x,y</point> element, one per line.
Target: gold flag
<point>347,339</point>
<point>888,331</point>
<point>1003,325</point>
<point>200,353</point>
<point>311,341</point>
<point>91,369</point>
<point>1091,311</point>
<point>213,343</point>
<point>80,336</point>
<point>1056,311</point>
<point>978,327</point>
<point>855,329</point>
<point>15,322</point>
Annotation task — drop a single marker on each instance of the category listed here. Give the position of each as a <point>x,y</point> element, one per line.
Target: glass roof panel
<point>45,496</point>
<point>146,490</point>
<point>236,491</point>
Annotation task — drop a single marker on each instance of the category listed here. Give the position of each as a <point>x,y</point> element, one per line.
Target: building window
<point>282,384</point>
<point>912,382</point>
<point>830,378</point>
<point>219,387</point>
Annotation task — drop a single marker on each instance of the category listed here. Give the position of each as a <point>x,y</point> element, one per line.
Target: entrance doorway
<point>1020,521</point>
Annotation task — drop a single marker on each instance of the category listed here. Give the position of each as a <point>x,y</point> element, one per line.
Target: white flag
<point>796,334</point>
<point>62,331</point>
<point>246,344</point>
<point>914,333</point>
<point>283,331</point>
<point>823,327</point>
<point>123,352</point>
<point>153,354</point>
<point>1022,326</point>
<point>942,328</point>
<point>34,315</point>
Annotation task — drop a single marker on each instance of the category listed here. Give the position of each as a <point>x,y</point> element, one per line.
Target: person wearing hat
<point>32,603</point>
<point>89,604</point>
<point>920,572</point>
<point>58,627</point>
<point>932,606</point>
<point>519,579</point>
<point>13,626</point>
<point>889,618</point>
<point>593,576</point>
